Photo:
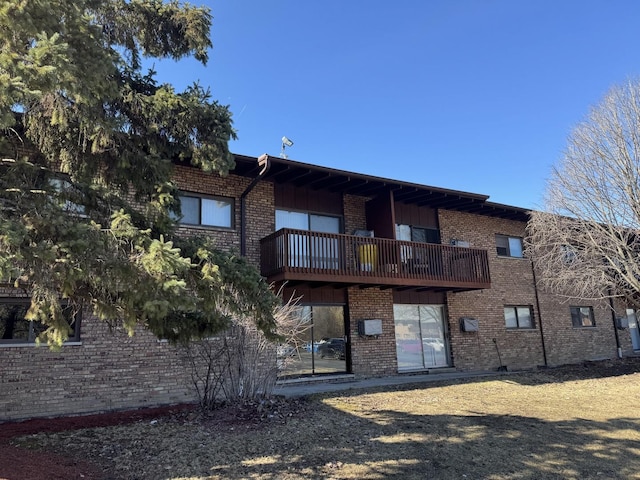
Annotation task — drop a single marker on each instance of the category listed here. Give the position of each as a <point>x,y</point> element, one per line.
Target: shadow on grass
<point>389,444</point>
<point>354,442</point>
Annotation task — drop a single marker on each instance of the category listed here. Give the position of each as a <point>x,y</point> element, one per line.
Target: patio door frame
<point>313,343</point>
<point>306,251</point>
<point>410,347</point>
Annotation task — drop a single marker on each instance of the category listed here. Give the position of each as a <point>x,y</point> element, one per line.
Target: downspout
<point>265,162</point>
<point>535,289</point>
<point>615,326</point>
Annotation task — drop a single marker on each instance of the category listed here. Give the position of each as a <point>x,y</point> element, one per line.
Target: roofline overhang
<point>316,177</point>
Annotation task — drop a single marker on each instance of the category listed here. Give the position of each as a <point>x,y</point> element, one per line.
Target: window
<point>518,316</point>
<point>409,233</point>
<point>66,189</point>
<point>207,211</point>
<point>311,250</point>
<point>582,317</point>
<point>307,221</point>
<point>568,254</point>
<point>417,234</point>
<point>15,329</point>
<point>421,336</point>
<point>509,246</point>
<point>319,347</point>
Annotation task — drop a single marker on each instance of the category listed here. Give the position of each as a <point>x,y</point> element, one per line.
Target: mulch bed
<point>20,463</point>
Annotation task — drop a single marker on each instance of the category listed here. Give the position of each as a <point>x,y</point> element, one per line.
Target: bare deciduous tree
<point>586,241</point>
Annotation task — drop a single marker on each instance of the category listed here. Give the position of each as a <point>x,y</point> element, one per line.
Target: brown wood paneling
<point>416,216</point>
<point>380,216</point>
<point>415,297</point>
<point>304,199</point>
<point>319,295</point>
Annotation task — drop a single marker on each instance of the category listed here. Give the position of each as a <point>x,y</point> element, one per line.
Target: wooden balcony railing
<point>334,258</point>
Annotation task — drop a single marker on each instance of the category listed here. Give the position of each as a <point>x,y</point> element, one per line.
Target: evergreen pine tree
<point>88,148</point>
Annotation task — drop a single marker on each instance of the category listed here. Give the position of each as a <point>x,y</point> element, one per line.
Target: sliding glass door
<point>310,251</point>
<point>320,346</point>
<point>421,340</point>
<point>298,245</point>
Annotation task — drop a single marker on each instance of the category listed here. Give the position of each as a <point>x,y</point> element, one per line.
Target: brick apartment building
<point>394,278</point>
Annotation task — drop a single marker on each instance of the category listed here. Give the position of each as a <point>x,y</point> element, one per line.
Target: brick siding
<point>110,370</point>
<point>511,284</point>
<point>354,214</point>
<point>568,344</point>
<point>106,371</point>
<point>195,181</point>
<point>371,356</point>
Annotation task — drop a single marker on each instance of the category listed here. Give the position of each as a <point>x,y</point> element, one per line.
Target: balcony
<point>327,258</point>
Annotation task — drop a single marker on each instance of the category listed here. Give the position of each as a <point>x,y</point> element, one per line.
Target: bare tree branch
<point>585,243</point>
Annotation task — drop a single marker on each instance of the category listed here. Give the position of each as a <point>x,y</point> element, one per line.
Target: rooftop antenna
<point>285,143</point>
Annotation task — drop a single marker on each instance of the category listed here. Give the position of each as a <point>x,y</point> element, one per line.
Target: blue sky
<point>472,95</point>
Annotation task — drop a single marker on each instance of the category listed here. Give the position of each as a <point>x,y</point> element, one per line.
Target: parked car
<point>312,347</point>
<point>333,347</point>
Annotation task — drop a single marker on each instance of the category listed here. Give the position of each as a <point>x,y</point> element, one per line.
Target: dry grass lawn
<point>571,423</point>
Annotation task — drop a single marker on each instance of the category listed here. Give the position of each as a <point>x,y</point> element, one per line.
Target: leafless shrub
<point>242,364</point>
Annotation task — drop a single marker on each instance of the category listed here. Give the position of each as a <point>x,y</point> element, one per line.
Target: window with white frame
<point>16,329</point>
<point>206,211</point>
<point>518,317</point>
<point>509,246</point>
<point>582,317</point>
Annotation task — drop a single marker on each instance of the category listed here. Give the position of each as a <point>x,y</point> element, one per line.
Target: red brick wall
<point>511,284</point>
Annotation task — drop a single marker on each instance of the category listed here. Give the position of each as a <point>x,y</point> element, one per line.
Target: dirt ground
<point>571,422</point>
<point>24,463</point>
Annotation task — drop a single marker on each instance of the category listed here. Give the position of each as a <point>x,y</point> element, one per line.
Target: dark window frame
<point>62,185</point>
<point>313,213</point>
<point>569,254</point>
<point>577,316</point>
<point>219,198</point>
<point>34,325</point>
<point>432,232</point>
<point>505,251</point>
<point>515,309</point>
